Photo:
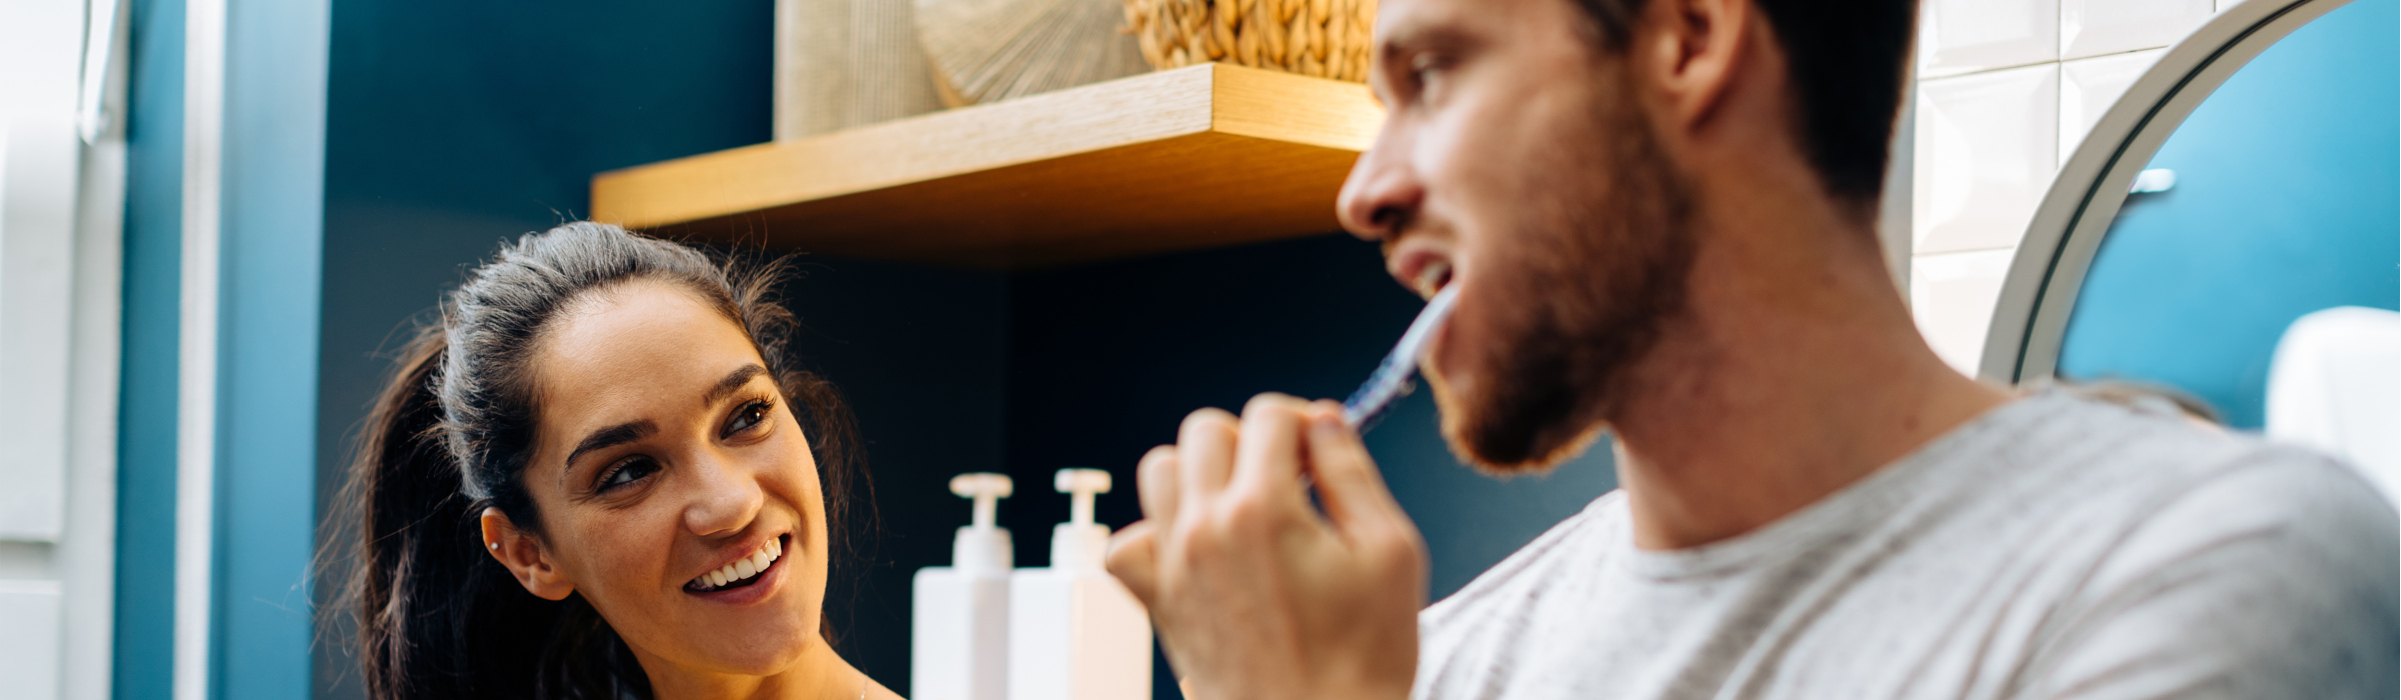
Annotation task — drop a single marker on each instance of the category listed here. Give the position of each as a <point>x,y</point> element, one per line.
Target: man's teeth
<point>1431,279</point>
<point>744,568</point>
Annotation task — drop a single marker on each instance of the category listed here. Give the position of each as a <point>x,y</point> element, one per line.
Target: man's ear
<point>1692,50</point>
<point>525,557</point>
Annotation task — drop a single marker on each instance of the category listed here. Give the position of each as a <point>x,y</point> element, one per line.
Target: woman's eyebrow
<point>622,433</point>
<point>731,383</point>
<point>611,436</point>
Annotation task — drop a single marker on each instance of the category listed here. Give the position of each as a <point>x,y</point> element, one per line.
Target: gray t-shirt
<point>2055,547</point>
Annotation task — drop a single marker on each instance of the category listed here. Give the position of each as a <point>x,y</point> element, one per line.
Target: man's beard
<point>1578,295</point>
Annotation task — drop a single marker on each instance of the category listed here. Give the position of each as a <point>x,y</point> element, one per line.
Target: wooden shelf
<point>1195,157</point>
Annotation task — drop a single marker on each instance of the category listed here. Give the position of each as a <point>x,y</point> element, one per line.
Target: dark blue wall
<point>2287,201</point>
<point>454,125</point>
<point>1106,360</point>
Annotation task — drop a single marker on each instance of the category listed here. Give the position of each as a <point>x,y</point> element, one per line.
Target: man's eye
<point>626,472</point>
<point>1425,66</point>
<point>751,415</point>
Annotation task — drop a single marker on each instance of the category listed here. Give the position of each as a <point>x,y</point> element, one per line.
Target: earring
<point>492,546</point>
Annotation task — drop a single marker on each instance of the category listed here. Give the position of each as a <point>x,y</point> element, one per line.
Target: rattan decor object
<point>992,50</point>
<point>1321,38</point>
<point>846,63</point>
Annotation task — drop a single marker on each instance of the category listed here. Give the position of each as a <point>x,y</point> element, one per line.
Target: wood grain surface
<point>1195,157</point>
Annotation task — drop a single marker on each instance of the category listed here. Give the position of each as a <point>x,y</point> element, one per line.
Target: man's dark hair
<point>1848,60</point>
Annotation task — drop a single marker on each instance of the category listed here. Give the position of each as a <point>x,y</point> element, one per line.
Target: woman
<point>601,476</point>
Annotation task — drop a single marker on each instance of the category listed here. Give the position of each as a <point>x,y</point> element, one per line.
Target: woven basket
<point>1322,38</point>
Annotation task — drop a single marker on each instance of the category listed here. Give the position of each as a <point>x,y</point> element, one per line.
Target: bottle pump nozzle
<point>987,489</point>
<point>1080,543</point>
<point>982,544</point>
<point>1081,484</point>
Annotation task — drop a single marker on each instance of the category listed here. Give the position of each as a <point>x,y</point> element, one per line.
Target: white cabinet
<point>29,650</point>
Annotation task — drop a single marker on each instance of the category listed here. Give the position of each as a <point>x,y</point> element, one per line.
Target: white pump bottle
<point>959,633</point>
<point>1075,632</point>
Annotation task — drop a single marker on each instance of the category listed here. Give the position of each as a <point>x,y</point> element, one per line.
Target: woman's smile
<point>744,580</point>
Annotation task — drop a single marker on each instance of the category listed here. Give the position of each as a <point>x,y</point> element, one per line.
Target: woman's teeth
<point>743,569</point>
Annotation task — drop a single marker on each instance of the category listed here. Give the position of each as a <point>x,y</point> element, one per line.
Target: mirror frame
<point>2030,319</point>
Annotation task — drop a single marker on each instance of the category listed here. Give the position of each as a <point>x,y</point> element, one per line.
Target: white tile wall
<point>2095,27</point>
<point>1962,36</point>
<point>1954,294</point>
<point>1998,110</point>
<point>2087,88</point>
<point>1987,145</point>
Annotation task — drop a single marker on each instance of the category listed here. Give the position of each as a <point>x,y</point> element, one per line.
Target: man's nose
<point>726,499</point>
<point>1382,192</point>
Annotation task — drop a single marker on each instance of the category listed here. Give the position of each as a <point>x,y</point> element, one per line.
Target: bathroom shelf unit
<point>1195,157</point>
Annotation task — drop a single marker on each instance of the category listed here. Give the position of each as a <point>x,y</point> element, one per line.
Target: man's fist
<point>1256,594</point>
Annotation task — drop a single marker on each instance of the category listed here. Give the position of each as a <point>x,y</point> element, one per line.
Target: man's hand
<point>1257,596</point>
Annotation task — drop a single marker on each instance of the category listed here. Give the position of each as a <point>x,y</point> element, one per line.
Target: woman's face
<point>665,455</point>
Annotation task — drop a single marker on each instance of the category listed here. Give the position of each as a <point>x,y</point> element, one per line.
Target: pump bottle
<point>1075,632</point>
<point>960,632</point>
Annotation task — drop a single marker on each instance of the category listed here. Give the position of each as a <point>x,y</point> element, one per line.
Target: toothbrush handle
<point>1396,376</point>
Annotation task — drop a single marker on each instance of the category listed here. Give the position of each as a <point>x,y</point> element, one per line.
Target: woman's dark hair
<point>450,436</point>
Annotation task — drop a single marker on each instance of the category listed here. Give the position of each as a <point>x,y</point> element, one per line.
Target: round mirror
<point>2231,231</point>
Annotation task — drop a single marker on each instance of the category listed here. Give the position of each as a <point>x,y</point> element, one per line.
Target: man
<point>1659,214</point>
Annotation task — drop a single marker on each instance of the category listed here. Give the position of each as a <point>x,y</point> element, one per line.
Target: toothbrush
<point>1397,375</point>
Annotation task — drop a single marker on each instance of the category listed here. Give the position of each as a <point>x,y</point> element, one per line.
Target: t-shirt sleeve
<point>2276,578</point>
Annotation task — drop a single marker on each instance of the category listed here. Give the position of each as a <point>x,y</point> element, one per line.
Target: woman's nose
<point>1382,192</point>
<point>726,499</point>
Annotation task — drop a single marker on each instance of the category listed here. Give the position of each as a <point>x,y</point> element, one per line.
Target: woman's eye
<point>626,472</point>
<point>751,415</point>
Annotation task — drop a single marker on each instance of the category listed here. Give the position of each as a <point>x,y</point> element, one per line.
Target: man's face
<point>1517,162</point>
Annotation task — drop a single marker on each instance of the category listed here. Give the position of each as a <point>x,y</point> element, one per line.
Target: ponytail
<point>439,617</point>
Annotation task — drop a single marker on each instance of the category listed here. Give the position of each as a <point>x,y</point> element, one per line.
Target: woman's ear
<point>524,556</point>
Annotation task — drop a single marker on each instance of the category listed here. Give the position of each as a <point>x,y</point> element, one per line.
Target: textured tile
<point>1952,296</point>
<point>2090,28</point>
<point>2088,87</point>
<point>1964,36</point>
<point>1987,146</point>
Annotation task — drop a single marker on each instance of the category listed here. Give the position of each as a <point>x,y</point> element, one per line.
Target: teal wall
<point>145,609</point>
<point>270,234</point>
<point>2287,201</point>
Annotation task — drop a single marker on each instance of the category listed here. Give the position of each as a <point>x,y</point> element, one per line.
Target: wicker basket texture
<point>1321,38</point>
